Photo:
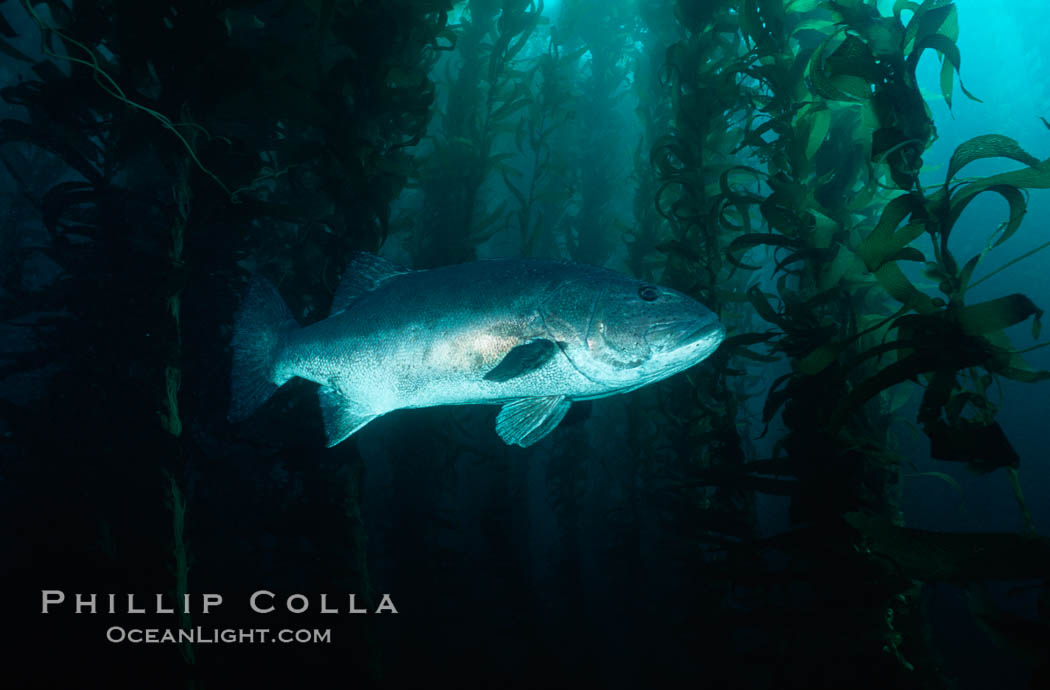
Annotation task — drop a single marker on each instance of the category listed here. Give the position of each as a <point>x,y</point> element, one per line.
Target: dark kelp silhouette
<point>183,144</point>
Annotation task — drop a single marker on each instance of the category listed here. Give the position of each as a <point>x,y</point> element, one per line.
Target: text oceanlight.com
<point>201,635</point>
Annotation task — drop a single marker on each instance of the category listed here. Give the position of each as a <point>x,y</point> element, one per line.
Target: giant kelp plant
<point>484,95</point>
<point>838,123</point>
<point>160,153</point>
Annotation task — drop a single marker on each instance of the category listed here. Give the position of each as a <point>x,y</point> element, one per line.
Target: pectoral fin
<point>527,420</point>
<point>522,359</point>
<point>342,416</point>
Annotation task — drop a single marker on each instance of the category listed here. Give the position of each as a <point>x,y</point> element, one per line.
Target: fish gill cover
<point>775,160</point>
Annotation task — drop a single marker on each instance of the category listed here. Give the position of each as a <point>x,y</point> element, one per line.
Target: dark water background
<point>570,564</point>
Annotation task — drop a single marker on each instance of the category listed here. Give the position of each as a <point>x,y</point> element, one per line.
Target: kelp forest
<point>797,511</point>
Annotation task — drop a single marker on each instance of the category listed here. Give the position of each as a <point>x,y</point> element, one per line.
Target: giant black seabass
<point>532,335</point>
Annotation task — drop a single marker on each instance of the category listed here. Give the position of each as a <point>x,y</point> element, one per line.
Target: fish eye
<point>648,293</point>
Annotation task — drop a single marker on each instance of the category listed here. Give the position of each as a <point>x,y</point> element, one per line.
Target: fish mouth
<point>676,334</point>
<point>710,331</point>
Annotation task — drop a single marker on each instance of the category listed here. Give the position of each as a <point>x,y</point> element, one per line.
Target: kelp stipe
<point>485,96</point>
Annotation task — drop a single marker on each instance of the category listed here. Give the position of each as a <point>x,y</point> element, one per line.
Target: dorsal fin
<point>364,273</point>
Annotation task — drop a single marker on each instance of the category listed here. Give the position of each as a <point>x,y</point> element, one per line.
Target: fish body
<point>531,335</point>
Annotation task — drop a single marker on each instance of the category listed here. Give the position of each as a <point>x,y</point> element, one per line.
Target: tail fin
<point>257,333</point>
